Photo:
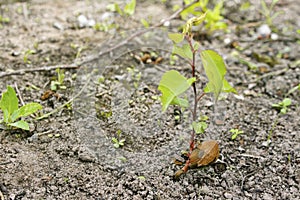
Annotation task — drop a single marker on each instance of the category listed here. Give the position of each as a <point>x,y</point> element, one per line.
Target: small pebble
<point>274,36</point>
<point>83,21</point>
<point>264,31</point>
<point>228,195</point>
<point>227,41</point>
<point>58,26</point>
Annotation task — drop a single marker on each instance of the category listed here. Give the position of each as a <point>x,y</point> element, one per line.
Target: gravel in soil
<point>70,155</point>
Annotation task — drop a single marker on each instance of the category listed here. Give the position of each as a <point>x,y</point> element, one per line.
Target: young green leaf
<point>5,116</point>
<point>173,84</point>
<point>26,110</point>
<point>130,7</point>
<point>145,23</point>
<point>180,102</point>
<point>199,127</point>
<point>283,106</point>
<point>215,70</point>
<point>235,133</point>
<point>184,51</point>
<point>9,102</point>
<point>176,37</point>
<point>190,10</point>
<point>287,101</point>
<point>194,21</point>
<point>20,124</point>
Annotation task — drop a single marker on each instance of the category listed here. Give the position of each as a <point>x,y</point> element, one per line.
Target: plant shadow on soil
<point>122,97</point>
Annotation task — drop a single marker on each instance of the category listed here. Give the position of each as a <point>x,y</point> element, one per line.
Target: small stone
<point>58,26</point>
<point>167,23</point>
<point>267,196</point>
<point>15,53</point>
<point>251,86</point>
<point>82,21</point>
<point>227,195</point>
<point>91,23</point>
<point>264,31</point>
<point>204,190</point>
<point>239,97</point>
<point>84,154</point>
<point>274,36</point>
<point>227,41</point>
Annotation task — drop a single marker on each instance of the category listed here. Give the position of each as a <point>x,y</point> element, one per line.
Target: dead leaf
<point>205,153</point>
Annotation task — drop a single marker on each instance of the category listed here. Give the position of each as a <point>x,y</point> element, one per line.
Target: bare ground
<point>69,155</point>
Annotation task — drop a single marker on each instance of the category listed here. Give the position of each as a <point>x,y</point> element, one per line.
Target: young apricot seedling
<point>174,84</point>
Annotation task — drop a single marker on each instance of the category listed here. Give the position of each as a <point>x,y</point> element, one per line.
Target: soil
<point>70,154</point>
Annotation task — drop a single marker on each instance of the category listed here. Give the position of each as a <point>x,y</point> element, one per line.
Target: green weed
<point>12,113</point>
<point>235,132</point>
<point>59,82</point>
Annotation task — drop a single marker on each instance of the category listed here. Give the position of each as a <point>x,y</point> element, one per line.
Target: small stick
<point>40,69</point>
<point>19,94</point>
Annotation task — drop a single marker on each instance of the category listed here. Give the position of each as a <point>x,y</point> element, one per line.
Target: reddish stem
<point>200,97</point>
<point>192,140</point>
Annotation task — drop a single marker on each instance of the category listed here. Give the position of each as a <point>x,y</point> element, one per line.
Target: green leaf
<point>199,127</point>
<point>215,71</point>
<point>26,110</point>
<point>190,10</point>
<point>20,124</point>
<point>9,103</point>
<point>114,8</point>
<point>235,132</point>
<point>176,37</point>
<point>114,140</point>
<point>145,23</point>
<point>184,51</point>
<point>130,7</point>
<point>180,102</point>
<point>5,116</point>
<point>171,85</point>
<point>234,136</point>
<point>287,101</point>
<point>194,21</point>
<point>118,9</point>
<point>196,46</point>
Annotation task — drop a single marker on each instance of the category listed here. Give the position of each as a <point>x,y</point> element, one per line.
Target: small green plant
<point>59,82</point>
<point>213,19</point>
<point>12,113</point>
<point>79,49</point>
<point>3,20</point>
<point>173,84</point>
<point>27,54</point>
<point>118,142</point>
<point>268,13</point>
<point>129,8</point>
<point>283,105</point>
<point>283,108</point>
<point>235,132</point>
<point>294,89</point>
<point>135,76</point>
<point>104,26</point>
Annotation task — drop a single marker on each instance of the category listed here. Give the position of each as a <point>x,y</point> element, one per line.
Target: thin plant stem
<point>272,129</point>
<point>192,140</point>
